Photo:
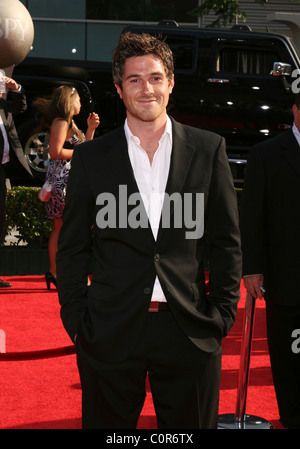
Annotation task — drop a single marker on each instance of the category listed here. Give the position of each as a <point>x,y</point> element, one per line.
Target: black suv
<point>236,82</point>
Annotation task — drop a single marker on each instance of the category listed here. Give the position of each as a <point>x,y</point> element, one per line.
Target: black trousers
<point>184,381</point>
<point>285,361</point>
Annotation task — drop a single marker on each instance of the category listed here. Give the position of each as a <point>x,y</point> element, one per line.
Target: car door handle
<point>218,80</point>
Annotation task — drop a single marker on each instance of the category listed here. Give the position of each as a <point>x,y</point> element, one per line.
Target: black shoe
<point>50,278</point>
<point>4,284</point>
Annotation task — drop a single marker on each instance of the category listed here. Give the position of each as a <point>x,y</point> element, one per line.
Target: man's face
<point>145,88</point>
<point>296,114</point>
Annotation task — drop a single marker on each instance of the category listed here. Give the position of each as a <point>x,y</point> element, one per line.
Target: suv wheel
<point>36,151</point>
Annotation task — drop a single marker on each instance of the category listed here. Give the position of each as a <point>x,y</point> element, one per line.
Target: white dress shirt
<point>5,157</point>
<point>296,133</point>
<point>151,180</point>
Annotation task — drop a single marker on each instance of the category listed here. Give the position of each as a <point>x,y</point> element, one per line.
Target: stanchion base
<point>249,422</point>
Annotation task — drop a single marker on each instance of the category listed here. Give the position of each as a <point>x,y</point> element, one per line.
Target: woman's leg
<point>52,244</point>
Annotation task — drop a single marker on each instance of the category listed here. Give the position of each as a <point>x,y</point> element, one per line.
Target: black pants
<point>184,382</point>
<point>285,363</point>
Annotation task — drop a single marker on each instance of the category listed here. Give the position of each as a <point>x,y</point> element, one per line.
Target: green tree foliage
<point>227,12</point>
<point>26,214</point>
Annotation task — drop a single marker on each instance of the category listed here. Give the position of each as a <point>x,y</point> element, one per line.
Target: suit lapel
<point>3,116</point>
<point>182,154</point>
<point>291,152</point>
<point>181,157</point>
<point>4,121</point>
<point>119,161</point>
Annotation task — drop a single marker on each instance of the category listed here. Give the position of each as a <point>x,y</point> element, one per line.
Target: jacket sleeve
<point>74,246</point>
<point>16,102</point>
<point>225,259</point>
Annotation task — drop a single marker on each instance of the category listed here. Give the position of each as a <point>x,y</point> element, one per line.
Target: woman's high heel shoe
<point>50,279</point>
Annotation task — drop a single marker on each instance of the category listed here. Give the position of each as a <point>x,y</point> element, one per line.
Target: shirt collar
<point>296,133</point>
<point>167,131</point>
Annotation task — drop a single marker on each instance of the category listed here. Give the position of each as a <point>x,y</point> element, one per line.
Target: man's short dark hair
<point>131,45</point>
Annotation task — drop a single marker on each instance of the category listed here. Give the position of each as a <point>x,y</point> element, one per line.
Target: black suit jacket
<point>13,105</point>
<point>109,315</point>
<point>270,221</point>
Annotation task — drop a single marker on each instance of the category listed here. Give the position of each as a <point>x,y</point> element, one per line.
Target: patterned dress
<point>57,175</point>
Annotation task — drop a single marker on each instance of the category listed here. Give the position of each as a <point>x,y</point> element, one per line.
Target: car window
<point>184,51</point>
<point>241,60</point>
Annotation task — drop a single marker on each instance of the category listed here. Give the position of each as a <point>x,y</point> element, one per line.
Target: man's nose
<point>147,86</point>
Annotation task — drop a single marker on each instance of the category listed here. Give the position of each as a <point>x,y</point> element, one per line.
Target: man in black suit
<point>10,147</point>
<point>270,228</point>
<point>148,189</point>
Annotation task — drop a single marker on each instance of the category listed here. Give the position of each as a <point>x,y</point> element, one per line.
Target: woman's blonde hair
<point>59,105</point>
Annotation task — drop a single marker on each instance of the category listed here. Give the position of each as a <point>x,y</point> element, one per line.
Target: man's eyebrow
<point>132,76</point>
<point>137,75</point>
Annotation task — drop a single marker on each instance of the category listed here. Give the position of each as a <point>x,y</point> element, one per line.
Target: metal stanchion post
<point>240,420</point>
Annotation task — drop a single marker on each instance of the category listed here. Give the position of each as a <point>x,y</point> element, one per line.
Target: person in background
<point>11,151</point>
<point>58,113</point>
<point>146,310</point>
<point>270,229</point>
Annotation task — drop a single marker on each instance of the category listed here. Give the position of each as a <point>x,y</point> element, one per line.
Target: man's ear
<point>119,90</point>
<point>171,84</point>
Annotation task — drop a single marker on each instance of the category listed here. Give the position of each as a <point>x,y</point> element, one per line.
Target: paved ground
<point>12,239</point>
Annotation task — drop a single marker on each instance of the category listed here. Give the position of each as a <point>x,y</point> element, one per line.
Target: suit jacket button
<point>156,257</point>
<point>147,291</point>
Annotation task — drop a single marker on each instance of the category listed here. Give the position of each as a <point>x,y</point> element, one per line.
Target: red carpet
<point>40,386</point>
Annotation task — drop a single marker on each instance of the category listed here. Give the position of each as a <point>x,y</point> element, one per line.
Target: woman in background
<point>58,113</point>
